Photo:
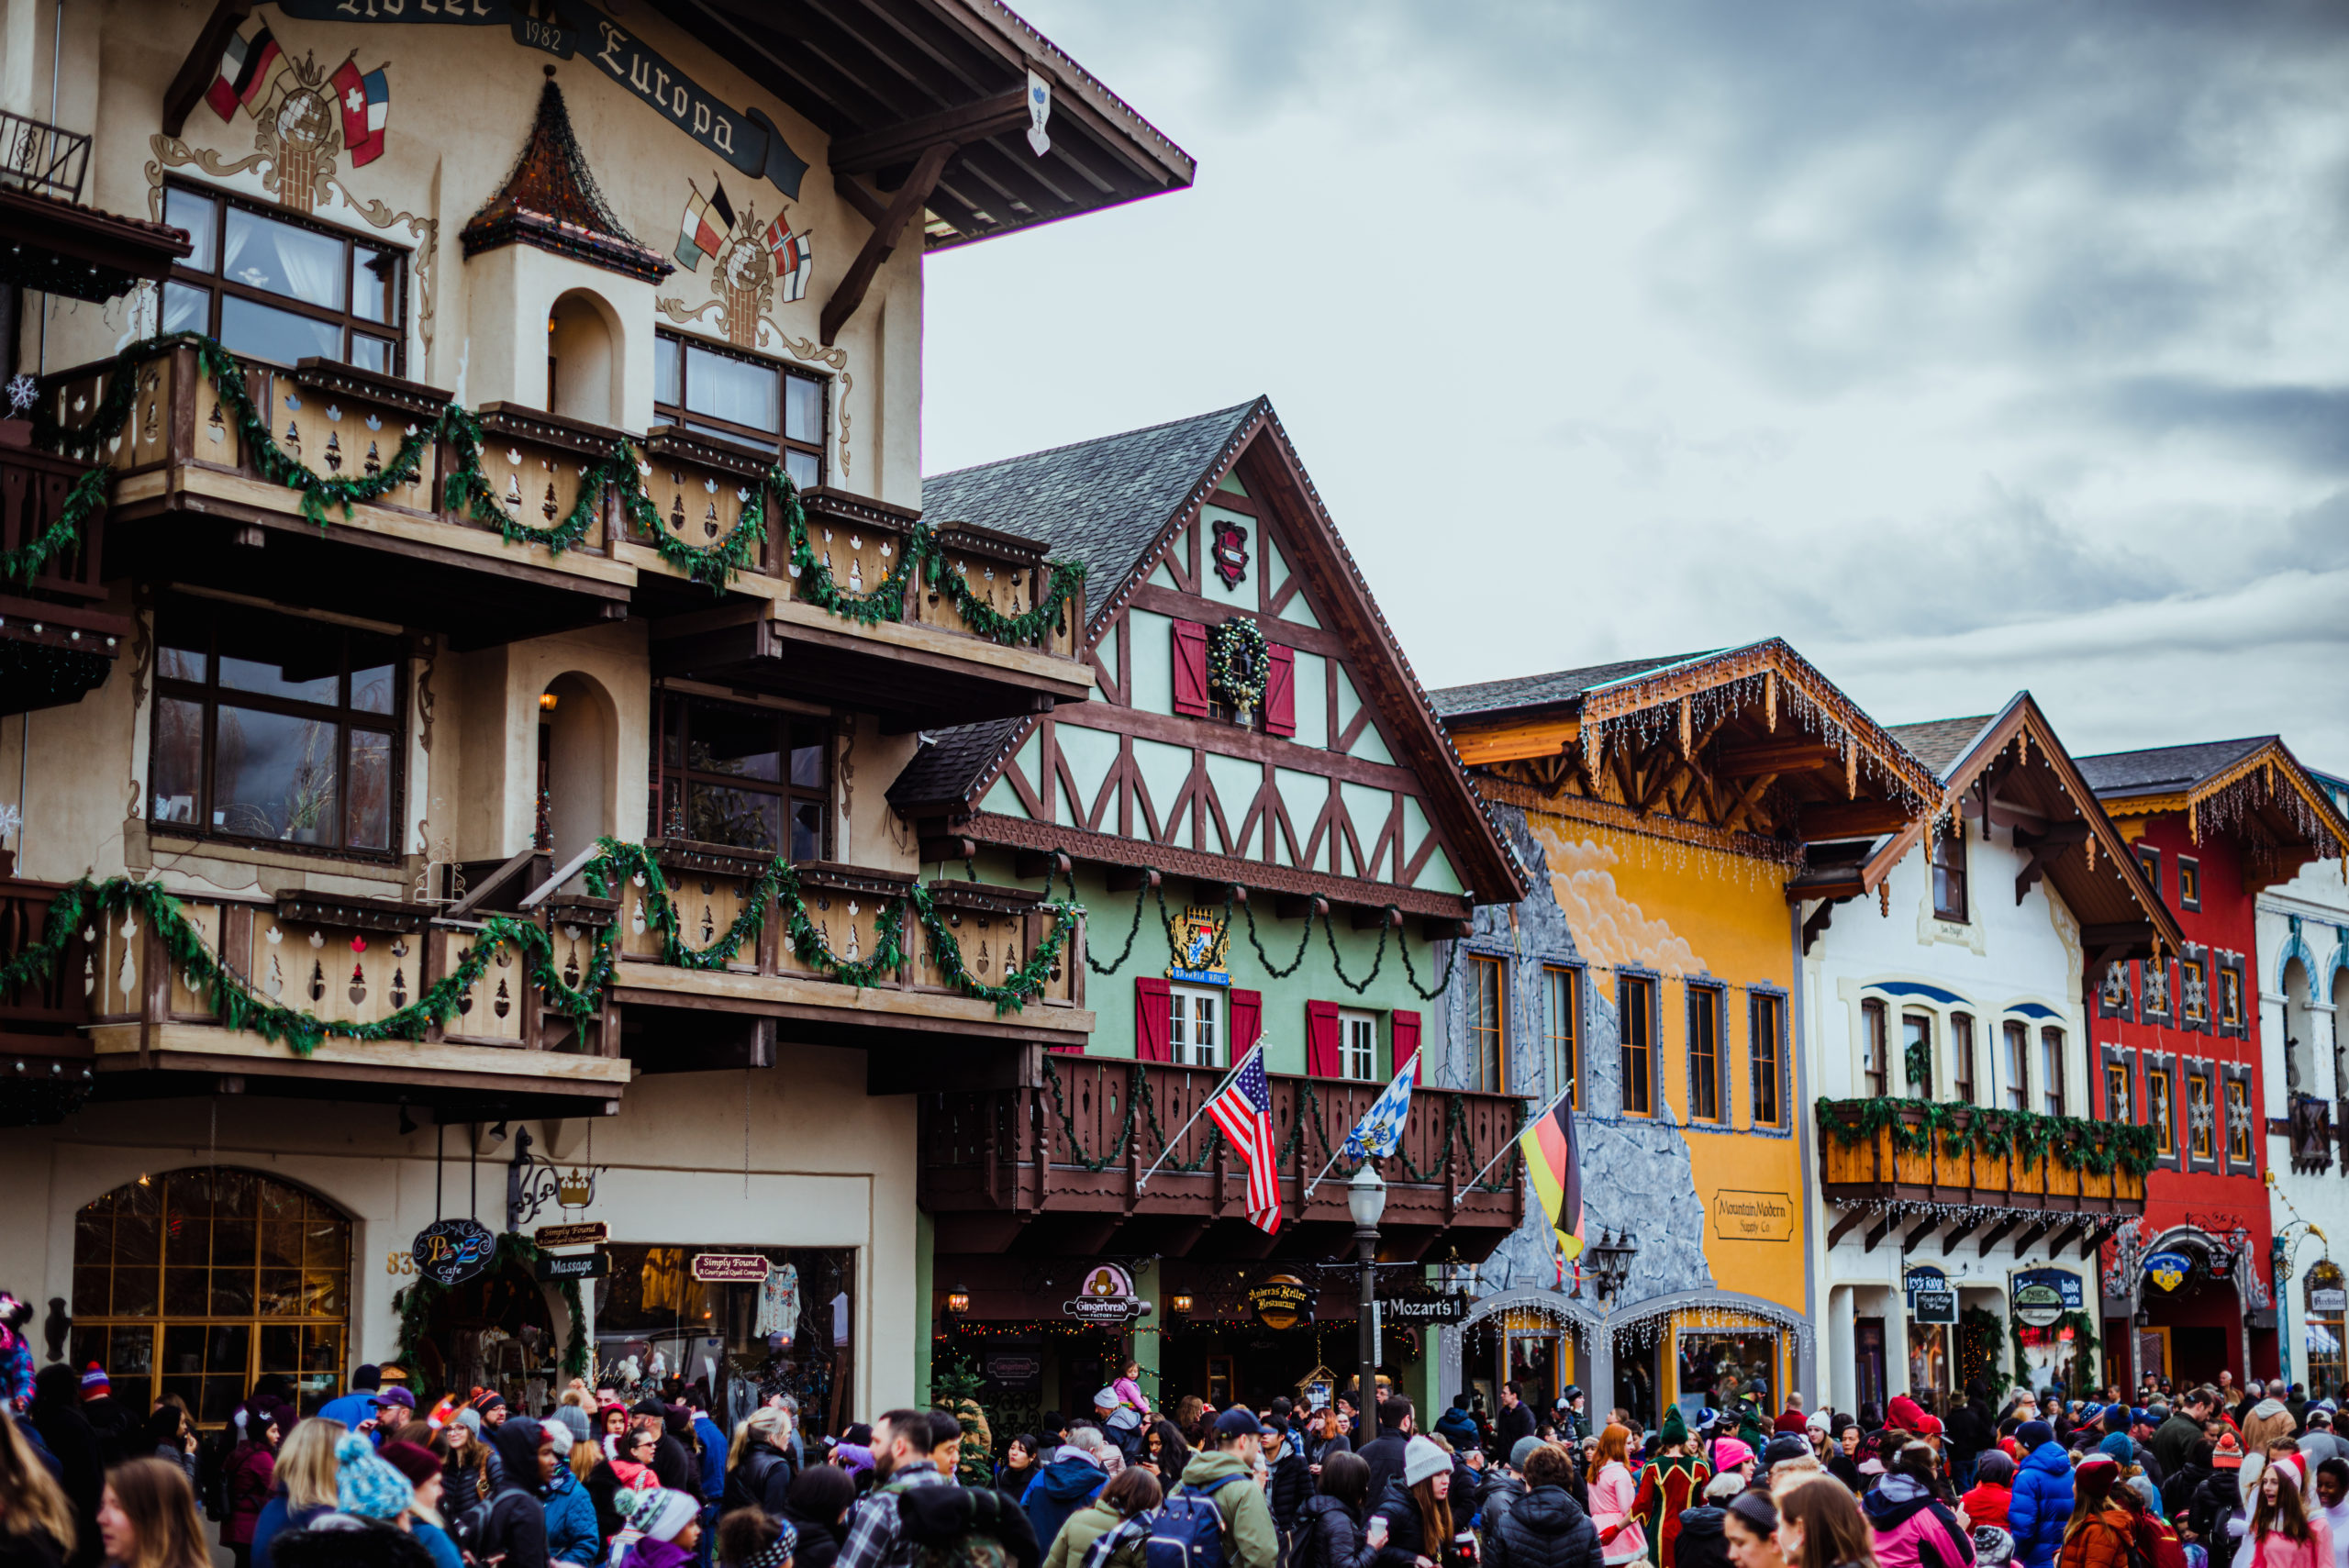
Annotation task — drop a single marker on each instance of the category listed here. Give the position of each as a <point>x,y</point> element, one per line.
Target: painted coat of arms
<point>1202,945</point>
<point>754,265</point>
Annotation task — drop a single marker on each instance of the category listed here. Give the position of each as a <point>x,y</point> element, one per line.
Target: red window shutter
<point>1322,1039</point>
<point>1191,668</point>
<point>1280,691</point>
<point>1154,1020</point>
<point>1405,1037</point>
<point>1247,1021</point>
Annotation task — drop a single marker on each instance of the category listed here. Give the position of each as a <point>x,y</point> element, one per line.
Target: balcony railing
<point>34,486</point>
<point>1077,1144</point>
<point>42,157</point>
<point>1922,1152</point>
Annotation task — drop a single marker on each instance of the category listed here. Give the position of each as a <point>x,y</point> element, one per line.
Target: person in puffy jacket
<point>1073,1478</point>
<point>2041,1501</point>
<point>817,1507</point>
<point>1993,1487</point>
<point>1914,1529</point>
<point>1292,1478</point>
<point>1414,1518</point>
<point>759,1468</point>
<point>2102,1533</point>
<point>573,1535</point>
<point>1703,1542</point>
<point>1546,1527</point>
<point>1129,1493</point>
<point>1329,1524</point>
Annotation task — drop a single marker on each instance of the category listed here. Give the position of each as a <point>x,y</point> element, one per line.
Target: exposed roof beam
<point>1775,757</point>
<point>1851,819</point>
<point>909,139</point>
<point>883,240</point>
<point>1515,743</point>
<point>202,65</point>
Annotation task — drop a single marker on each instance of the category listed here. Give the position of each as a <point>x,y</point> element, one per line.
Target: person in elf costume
<point>15,1353</point>
<point>1672,1481</point>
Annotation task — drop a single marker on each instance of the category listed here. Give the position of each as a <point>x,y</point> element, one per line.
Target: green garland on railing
<point>82,903</point>
<point>416,1302</point>
<point>467,487</point>
<point>29,560</point>
<point>2097,1147</point>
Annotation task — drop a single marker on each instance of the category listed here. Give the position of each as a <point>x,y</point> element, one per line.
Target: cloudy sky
<point>1970,346</point>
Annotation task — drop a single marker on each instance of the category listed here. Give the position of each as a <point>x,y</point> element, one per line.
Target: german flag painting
<point>1555,1165</point>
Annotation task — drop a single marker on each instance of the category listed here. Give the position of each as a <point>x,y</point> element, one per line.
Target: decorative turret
<point>551,200</point>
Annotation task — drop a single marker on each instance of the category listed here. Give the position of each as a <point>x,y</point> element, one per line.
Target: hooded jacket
<point>1329,1535</point>
<point>819,1541</point>
<point>572,1534</point>
<point>1249,1539</point>
<point>517,1530</point>
<point>1912,1529</point>
<point>2218,1499</point>
<point>1292,1482</point>
<point>1061,1488</point>
<point>1459,1429</point>
<point>2041,1506</point>
<point>1085,1527</point>
<point>1543,1529</point>
<point>1703,1543</point>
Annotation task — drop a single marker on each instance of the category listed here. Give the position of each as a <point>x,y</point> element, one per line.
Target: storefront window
<point>2328,1366</point>
<point>793,1332</point>
<point>1719,1368</point>
<point>1928,1357</point>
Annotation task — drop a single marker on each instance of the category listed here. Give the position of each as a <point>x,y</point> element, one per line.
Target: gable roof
<point>2104,887</point>
<point>1117,503</point>
<point>2166,769</point>
<point>2276,804</point>
<point>1561,689</point>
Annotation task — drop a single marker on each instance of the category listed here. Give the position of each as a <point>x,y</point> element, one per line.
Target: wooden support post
<point>154,990</point>
<point>1997,1232</point>
<point>1911,1242</point>
<point>1957,1233</point>
<point>906,202</point>
<point>1845,1225</point>
<point>1876,1233</point>
<point>202,66</point>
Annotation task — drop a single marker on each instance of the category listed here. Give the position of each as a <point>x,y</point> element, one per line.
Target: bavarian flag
<point>1554,1162</point>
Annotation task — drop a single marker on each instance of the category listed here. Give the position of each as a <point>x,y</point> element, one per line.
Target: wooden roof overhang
<point>55,246</point>
<point>1260,453</point>
<point>2018,766</point>
<point>1749,750</point>
<point>2285,818</point>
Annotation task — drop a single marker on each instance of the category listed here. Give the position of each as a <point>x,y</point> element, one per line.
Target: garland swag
<point>468,487</point>
<point>415,1301</point>
<point>2098,1148</point>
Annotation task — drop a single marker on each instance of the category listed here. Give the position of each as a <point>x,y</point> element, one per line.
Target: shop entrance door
<point>1867,1344</point>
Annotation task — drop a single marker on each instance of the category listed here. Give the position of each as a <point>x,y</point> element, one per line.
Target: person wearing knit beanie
<point>364,1487</point>
<point>1422,1460</point>
<point>1671,1485</point>
<point>94,1383</point>
<point>1520,1451</point>
<point>671,1526</point>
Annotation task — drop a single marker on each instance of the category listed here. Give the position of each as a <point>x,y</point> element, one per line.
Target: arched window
<point>197,1282</point>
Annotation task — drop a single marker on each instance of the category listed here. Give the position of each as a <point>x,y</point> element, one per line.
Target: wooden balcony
<point>57,639</point>
<point>117,1006</point>
<point>1918,1165</point>
<point>676,1019</point>
<point>191,505</point>
<point>1053,1164</point>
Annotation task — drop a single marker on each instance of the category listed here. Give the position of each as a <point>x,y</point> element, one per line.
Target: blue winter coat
<point>713,1459</point>
<point>571,1519</point>
<point>1059,1490</point>
<point>2042,1504</point>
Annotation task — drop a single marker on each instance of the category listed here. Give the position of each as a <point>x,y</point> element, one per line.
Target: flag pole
<point>1143,1180</point>
<point>1325,1171</point>
<point>1511,1144</point>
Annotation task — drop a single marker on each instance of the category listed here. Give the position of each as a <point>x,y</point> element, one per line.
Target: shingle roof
<point>1543,691</point>
<point>1940,742</point>
<point>2164,767</point>
<point>1102,502</point>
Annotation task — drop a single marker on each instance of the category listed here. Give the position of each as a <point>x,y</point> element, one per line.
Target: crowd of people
<point>2207,1477</point>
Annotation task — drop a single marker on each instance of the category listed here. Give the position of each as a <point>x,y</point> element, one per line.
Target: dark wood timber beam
<point>884,240</point>
<point>2044,847</point>
<point>1775,757</point>
<point>2072,1233</point>
<point>1845,1225</point>
<point>1876,1233</point>
<point>853,192</point>
<point>1818,921</point>
<point>2130,935</point>
<point>1915,1239</point>
<point>1957,1233</point>
<point>1852,819</point>
<point>2030,1235</point>
<point>1040,862</point>
<point>1131,879</point>
<point>909,139</point>
<point>1997,1233</point>
<point>202,65</point>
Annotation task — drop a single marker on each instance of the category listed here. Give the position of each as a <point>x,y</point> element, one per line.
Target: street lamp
<point>1366,1200</point>
<point>1611,1263</point>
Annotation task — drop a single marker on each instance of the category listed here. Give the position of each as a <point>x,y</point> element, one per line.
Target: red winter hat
<point>94,1384</point>
<point>2228,1455</point>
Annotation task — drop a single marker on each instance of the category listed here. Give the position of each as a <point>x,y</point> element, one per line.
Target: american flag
<point>1244,1113</point>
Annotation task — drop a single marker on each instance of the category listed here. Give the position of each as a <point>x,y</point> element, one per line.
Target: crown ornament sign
<point>534,1183</point>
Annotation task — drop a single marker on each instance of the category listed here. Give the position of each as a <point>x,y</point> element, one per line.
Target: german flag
<point>1555,1163</point>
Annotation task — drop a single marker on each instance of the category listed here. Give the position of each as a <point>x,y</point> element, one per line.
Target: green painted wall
<point>925,1274</point>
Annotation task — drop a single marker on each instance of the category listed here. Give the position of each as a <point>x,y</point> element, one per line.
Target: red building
<point>2186,1291</point>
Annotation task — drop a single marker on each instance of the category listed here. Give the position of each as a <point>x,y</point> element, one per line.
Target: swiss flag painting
<point>366,104</point>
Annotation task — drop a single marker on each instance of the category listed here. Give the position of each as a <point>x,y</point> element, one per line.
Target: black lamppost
<point>1610,1263</point>
<point>1366,1201</point>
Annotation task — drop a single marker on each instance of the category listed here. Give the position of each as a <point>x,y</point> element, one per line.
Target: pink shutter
<point>1247,1021</point>
<point>1322,1039</point>
<point>1280,691</point>
<point>1191,668</point>
<point>1154,1020</point>
<point>1405,1037</point>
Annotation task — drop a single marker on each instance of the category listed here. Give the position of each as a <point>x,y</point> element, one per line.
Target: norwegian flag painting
<point>1244,1113</point>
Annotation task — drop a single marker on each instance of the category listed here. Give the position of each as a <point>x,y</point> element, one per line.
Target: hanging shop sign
<point>1107,1296</point>
<point>1280,1301</point>
<point>450,1252</point>
<point>731,1268</point>
<point>1931,1299</point>
<point>594,1233</point>
<point>2325,1289</point>
<point>2168,1269</point>
<point>1015,1370</point>
<point>575,1265</point>
<point>2041,1297</point>
<point>1450,1308</point>
<point>1203,947</point>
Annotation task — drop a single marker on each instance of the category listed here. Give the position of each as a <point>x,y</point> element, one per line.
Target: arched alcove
<point>2299,1041</point>
<point>584,359</point>
<point>578,755</point>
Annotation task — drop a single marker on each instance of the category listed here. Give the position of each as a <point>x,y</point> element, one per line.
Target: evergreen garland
<point>467,488</point>
<point>2097,1147</point>
<point>415,1301</point>
<point>1978,1350</point>
<point>1226,646</point>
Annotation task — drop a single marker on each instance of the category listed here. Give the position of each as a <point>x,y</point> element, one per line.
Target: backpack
<point>1109,1542</point>
<point>1187,1532</point>
<point>973,1549</point>
<point>472,1531</point>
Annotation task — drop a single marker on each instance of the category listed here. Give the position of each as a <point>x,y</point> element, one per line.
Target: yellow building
<point>1662,806</point>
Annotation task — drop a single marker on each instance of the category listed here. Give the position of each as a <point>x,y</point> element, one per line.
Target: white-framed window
<point>1195,1025</point>
<point>1357,1044</point>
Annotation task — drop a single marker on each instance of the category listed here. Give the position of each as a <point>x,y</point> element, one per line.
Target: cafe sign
<point>1280,1301</point>
<point>450,1252</point>
<point>1107,1296</point>
<point>730,1268</point>
<point>2168,1269</point>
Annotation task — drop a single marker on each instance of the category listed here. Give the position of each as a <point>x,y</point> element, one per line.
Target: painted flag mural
<point>366,103</point>
<point>1555,1163</point>
<point>247,64</point>
<point>795,261</point>
<point>706,222</point>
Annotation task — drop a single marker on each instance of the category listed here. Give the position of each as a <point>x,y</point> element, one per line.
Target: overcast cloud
<point>1969,346</point>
